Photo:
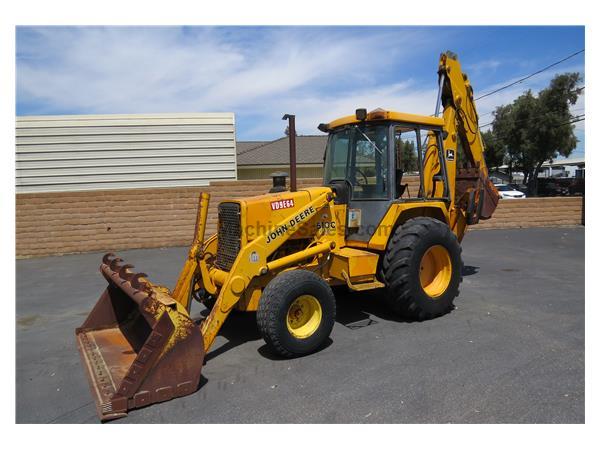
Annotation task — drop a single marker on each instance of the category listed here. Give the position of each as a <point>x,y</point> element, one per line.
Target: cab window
<point>359,154</point>
<point>408,165</point>
<point>371,163</point>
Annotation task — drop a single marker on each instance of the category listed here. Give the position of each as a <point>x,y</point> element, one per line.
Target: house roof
<point>565,162</point>
<point>309,150</point>
<point>242,146</point>
<point>558,163</point>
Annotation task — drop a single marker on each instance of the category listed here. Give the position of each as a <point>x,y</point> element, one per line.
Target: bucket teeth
<point>137,346</point>
<point>139,282</point>
<point>114,264</point>
<point>125,273</point>
<point>107,259</point>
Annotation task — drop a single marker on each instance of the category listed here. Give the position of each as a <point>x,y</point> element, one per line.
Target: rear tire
<point>422,269</point>
<point>296,313</point>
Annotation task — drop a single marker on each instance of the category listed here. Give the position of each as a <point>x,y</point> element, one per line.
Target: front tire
<point>422,269</point>
<point>296,313</point>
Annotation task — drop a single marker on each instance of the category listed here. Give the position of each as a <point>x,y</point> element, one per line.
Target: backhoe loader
<point>279,254</point>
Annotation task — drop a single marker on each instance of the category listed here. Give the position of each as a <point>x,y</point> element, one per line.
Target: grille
<point>229,235</point>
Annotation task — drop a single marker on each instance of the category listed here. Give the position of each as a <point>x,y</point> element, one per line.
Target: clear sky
<point>260,73</point>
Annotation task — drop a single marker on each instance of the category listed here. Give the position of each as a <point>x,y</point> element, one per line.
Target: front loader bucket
<point>138,345</point>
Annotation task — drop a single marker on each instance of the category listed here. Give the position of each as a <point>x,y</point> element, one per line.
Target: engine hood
<point>262,213</point>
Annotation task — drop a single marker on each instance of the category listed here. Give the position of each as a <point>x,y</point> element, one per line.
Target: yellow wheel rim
<point>435,271</point>
<point>304,316</point>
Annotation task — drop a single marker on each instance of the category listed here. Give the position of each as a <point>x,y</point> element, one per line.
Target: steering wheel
<point>362,174</point>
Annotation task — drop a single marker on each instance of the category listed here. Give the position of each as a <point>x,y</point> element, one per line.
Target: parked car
<point>507,191</point>
<point>551,187</point>
<point>577,186</point>
<point>520,187</point>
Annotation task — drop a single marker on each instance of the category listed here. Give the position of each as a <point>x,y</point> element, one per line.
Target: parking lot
<point>511,352</point>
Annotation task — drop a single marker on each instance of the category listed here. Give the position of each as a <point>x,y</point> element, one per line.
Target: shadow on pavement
<point>239,328</point>
<point>360,309</point>
<point>266,352</point>
<point>355,310</point>
<point>469,270</point>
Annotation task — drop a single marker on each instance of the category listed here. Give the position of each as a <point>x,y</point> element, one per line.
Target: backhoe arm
<point>473,196</point>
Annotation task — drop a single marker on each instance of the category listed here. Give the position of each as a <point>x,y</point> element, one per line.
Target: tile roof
<point>242,146</point>
<point>309,150</point>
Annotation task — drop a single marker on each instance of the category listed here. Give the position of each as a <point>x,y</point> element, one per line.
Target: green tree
<point>494,150</point>
<point>408,155</point>
<point>534,129</point>
<point>511,131</point>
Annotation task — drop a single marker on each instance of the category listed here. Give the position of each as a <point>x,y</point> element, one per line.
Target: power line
<point>575,119</point>
<point>523,120</point>
<point>577,91</point>
<point>531,75</point>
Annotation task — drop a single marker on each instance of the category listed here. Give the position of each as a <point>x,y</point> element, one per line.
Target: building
<point>258,159</point>
<point>558,168</point>
<point>564,168</point>
<point>122,151</point>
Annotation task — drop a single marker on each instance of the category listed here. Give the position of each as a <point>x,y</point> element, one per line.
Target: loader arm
<point>183,289</point>
<point>472,194</point>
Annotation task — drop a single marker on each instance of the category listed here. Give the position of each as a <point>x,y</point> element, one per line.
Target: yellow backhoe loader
<point>279,254</point>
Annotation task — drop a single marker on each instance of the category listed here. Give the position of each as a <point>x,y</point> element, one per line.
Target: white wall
<point>116,151</point>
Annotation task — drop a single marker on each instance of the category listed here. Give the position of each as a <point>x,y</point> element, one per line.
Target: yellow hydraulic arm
<point>183,288</point>
<point>472,195</point>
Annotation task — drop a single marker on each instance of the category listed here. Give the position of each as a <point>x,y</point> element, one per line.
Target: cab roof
<point>381,115</point>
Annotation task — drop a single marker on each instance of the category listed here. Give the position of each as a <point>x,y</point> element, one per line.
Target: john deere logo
<point>297,219</point>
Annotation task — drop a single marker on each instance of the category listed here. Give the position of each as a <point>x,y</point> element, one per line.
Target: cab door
<point>369,172</point>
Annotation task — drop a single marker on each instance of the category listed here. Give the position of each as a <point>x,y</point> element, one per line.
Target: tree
<point>510,131</point>
<point>494,150</point>
<point>533,129</point>
<point>408,155</point>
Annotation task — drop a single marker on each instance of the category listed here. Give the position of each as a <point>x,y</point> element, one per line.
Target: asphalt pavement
<point>511,352</point>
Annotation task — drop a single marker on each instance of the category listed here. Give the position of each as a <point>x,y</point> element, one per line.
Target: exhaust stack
<point>292,135</point>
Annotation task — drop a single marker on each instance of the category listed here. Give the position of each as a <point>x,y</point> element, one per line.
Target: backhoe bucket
<point>138,345</point>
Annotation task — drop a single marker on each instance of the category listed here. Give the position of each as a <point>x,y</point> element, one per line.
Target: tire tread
<point>270,304</point>
<point>396,266</point>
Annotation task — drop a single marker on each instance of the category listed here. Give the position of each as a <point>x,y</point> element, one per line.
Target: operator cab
<point>368,155</point>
